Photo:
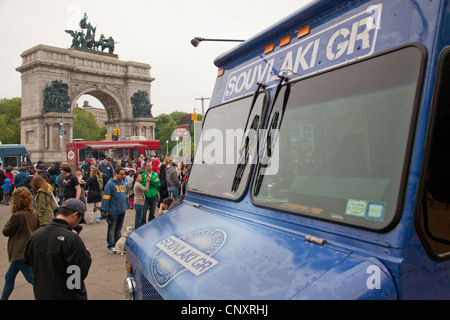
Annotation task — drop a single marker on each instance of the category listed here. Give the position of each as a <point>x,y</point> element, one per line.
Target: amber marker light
<point>220,73</point>
<point>129,269</point>
<point>269,48</point>
<point>285,41</point>
<point>303,32</point>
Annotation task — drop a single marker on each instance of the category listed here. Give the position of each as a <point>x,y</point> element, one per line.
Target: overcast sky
<point>157,32</point>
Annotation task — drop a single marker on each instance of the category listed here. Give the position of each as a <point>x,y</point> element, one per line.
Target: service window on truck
<point>343,140</point>
<point>150,153</point>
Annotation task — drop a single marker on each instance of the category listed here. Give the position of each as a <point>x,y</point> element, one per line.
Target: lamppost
<point>203,107</point>
<point>167,147</point>
<point>198,128</point>
<point>196,41</point>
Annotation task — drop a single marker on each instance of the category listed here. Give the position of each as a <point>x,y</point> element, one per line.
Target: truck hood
<point>196,253</point>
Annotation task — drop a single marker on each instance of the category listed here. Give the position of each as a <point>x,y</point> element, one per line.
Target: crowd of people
<point>54,200</point>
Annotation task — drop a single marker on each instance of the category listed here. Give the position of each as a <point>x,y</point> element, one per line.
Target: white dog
<point>120,244</point>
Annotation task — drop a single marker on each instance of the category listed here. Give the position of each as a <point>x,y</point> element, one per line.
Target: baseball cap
<point>76,206</point>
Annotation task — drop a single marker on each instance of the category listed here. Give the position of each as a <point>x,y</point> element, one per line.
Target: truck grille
<point>148,291</point>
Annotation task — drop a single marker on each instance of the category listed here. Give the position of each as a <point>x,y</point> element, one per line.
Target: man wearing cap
<point>58,257</point>
<point>87,168</point>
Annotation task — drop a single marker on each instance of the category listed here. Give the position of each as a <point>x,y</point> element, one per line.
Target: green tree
<point>178,116</point>
<point>166,126</point>
<point>163,131</point>
<point>85,127</point>
<point>9,114</point>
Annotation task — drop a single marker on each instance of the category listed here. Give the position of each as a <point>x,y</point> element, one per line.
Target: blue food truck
<point>323,166</point>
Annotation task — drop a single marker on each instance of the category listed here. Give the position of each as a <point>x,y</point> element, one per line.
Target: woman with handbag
<point>44,197</point>
<point>94,186</point>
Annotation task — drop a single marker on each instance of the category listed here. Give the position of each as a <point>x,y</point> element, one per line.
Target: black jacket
<point>93,188</point>
<point>50,252</point>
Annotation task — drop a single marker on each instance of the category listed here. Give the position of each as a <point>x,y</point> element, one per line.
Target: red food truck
<point>77,152</point>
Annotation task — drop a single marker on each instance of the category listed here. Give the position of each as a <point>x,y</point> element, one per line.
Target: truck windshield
<point>227,148</point>
<point>342,142</point>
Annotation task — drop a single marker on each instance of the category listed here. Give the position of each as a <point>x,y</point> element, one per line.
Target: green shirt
<point>154,183</point>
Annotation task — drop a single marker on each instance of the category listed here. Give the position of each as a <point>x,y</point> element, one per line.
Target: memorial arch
<point>53,79</point>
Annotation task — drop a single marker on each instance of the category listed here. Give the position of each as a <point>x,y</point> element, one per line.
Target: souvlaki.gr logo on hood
<point>190,252</point>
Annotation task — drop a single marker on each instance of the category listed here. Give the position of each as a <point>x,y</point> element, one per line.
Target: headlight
<point>128,288</point>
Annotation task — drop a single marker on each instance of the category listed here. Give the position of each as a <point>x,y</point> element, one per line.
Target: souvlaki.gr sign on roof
<point>354,37</point>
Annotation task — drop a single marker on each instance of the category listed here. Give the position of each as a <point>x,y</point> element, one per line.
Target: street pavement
<point>107,272</point>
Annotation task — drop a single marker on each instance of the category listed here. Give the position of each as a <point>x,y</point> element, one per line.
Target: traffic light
<point>106,136</point>
<point>193,117</point>
<point>116,132</point>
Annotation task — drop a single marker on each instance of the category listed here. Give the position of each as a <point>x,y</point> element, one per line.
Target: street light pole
<point>196,41</point>
<point>203,107</point>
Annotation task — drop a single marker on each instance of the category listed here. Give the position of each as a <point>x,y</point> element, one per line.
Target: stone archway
<point>47,71</point>
<point>110,97</point>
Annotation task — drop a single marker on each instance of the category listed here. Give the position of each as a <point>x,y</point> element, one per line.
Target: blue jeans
<point>138,217</point>
<point>10,276</point>
<point>150,204</point>
<point>174,191</point>
<point>115,224</point>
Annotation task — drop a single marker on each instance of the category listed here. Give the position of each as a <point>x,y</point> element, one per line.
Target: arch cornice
<point>75,61</point>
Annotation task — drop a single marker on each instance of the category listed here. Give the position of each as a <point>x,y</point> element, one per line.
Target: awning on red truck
<point>113,146</point>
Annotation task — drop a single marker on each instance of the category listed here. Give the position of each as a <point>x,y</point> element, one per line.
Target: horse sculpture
<point>87,41</point>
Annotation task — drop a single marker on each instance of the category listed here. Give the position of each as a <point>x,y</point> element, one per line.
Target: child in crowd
<point>129,181</point>
<point>6,191</point>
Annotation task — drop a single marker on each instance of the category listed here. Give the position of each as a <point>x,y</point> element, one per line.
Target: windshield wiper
<point>274,124</point>
<point>249,140</point>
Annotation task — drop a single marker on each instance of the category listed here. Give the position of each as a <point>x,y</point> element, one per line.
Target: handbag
<point>54,203</point>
